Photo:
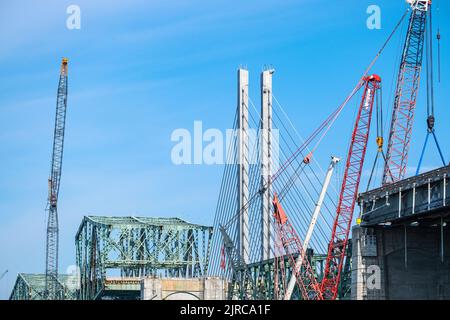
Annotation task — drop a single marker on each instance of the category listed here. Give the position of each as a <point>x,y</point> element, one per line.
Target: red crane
<point>408,81</point>
<point>349,190</point>
<point>290,242</point>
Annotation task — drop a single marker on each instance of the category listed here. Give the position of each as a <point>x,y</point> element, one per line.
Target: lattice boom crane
<point>290,241</point>
<point>408,81</point>
<point>349,190</point>
<point>51,271</point>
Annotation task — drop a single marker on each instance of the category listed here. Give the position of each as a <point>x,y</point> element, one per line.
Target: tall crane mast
<point>51,271</point>
<point>349,190</point>
<point>408,81</point>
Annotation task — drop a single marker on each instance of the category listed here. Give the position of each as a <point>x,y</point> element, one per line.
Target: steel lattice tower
<point>51,271</point>
<point>123,250</point>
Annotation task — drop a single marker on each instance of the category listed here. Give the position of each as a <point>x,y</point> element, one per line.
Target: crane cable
<point>322,130</point>
<point>380,122</point>
<point>380,135</point>
<point>361,81</point>
<point>431,120</point>
<point>328,123</point>
<point>438,37</point>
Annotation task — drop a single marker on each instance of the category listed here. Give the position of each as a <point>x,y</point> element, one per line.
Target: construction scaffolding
<point>123,250</point>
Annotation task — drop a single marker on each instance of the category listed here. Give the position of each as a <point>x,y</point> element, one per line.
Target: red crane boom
<point>305,277</point>
<point>349,190</point>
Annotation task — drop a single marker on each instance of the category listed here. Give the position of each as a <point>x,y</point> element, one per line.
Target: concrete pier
<point>183,289</point>
<point>401,262</point>
<point>401,250</point>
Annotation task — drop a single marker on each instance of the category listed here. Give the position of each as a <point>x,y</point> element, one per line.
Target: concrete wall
<point>183,289</point>
<point>400,263</point>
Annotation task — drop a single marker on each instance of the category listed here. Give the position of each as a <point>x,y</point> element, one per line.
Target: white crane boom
<point>298,262</point>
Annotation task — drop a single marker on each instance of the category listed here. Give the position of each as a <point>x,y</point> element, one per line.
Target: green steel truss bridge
<point>114,253</point>
<point>260,280</point>
<point>32,287</point>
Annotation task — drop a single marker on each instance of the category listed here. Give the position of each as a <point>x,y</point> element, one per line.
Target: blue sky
<point>139,70</point>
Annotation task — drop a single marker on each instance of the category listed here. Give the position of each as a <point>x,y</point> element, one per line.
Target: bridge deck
<point>420,197</point>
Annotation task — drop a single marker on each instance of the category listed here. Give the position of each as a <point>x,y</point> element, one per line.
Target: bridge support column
<point>380,270</point>
<point>266,158</point>
<point>243,149</point>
